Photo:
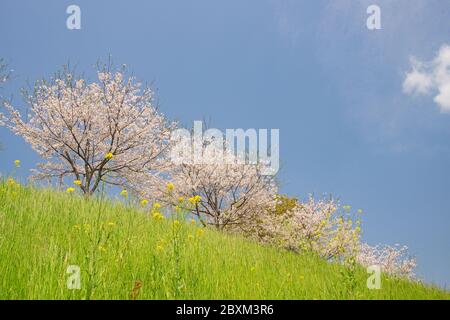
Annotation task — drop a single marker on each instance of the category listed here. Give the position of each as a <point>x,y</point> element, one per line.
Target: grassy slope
<point>40,238</point>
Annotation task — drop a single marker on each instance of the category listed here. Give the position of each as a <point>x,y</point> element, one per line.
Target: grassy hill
<point>125,253</point>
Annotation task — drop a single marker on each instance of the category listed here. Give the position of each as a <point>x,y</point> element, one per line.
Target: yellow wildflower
<point>170,186</point>
<point>180,199</point>
<point>144,202</point>
<point>124,193</point>
<point>70,190</point>
<point>109,156</point>
<point>10,182</point>
<point>77,182</point>
<point>176,223</point>
<point>193,221</point>
<point>200,232</point>
<point>160,245</point>
<point>158,216</point>
<point>194,200</point>
<point>156,205</point>
<point>17,163</point>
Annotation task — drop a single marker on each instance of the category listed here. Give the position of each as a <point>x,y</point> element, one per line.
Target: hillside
<point>125,253</point>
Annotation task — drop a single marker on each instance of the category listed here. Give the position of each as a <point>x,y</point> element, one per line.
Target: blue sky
<point>310,68</point>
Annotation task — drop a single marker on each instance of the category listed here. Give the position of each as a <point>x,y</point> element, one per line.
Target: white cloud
<point>443,98</point>
<point>417,82</point>
<point>431,78</point>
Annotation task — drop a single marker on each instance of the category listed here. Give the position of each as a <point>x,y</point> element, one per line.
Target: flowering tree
<point>104,131</point>
<point>316,226</point>
<point>324,228</point>
<point>392,260</point>
<point>220,190</point>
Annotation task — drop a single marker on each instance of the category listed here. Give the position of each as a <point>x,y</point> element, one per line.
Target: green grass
<point>42,232</point>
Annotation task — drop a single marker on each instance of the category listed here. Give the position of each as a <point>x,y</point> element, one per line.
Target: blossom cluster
<point>311,225</point>
<point>332,232</point>
<point>229,193</point>
<point>393,260</point>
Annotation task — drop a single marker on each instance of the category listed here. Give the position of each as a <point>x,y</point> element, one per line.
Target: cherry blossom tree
<point>220,190</point>
<point>329,230</point>
<point>393,260</point>
<point>105,131</point>
<point>318,226</point>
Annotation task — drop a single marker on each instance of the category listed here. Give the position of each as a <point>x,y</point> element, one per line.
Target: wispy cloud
<point>432,77</point>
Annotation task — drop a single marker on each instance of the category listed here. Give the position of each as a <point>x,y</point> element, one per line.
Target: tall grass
<point>124,253</point>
